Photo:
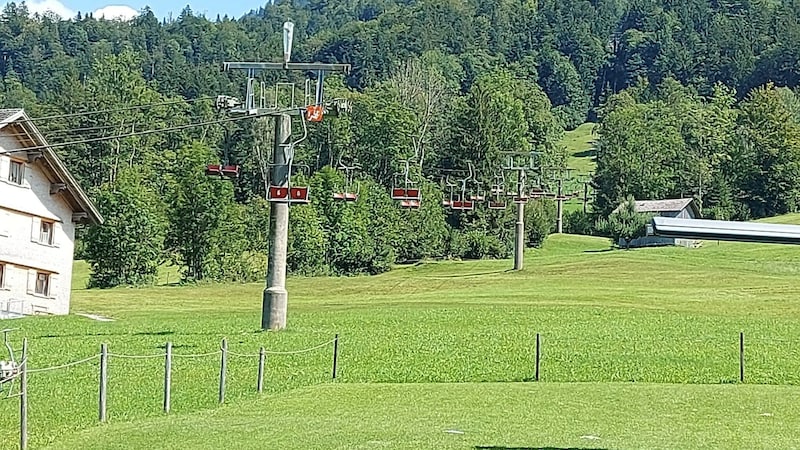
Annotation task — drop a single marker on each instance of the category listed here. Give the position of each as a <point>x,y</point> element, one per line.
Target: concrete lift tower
<point>281,193</point>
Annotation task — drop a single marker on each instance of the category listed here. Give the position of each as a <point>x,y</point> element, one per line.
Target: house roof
<point>6,114</point>
<point>656,206</point>
<point>36,147</point>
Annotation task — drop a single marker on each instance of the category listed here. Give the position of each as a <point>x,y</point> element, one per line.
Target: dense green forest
<point>693,98</point>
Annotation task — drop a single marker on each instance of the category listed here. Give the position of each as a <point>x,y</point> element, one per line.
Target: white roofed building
<point>40,206</point>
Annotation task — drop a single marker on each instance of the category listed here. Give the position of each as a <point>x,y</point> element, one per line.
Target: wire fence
<point>551,357</point>
<point>20,376</point>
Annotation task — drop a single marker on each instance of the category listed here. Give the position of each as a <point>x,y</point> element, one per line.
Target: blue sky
<point>162,8</point>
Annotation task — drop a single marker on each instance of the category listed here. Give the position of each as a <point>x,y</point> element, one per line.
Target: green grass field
<point>580,148</point>
<point>581,157</point>
<point>639,348</point>
<point>482,416</point>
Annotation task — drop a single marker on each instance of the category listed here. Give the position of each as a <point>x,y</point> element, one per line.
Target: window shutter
<point>36,229</point>
<point>52,286</point>
<point>31,281</point>
<point>57,230</point>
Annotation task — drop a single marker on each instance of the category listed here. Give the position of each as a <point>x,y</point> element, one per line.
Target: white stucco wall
<point>22,208</point>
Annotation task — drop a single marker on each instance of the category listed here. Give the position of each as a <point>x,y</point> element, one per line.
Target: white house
<point>40,205</point>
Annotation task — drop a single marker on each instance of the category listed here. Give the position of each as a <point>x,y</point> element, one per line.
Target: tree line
<point>693,98</point>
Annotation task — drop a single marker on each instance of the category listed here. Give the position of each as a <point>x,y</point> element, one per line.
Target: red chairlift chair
<point>299,194</point>
<point>214,170</point>
<point>411,204</point>
<point>278,194</point>
<point>345,195</point>
<point>230,171</point>
<point>497,204</point>
<point>464,202</point>
<point>496,201</point>
<point>398,193</point>
<point>404,191</point>
<point>463,205</point>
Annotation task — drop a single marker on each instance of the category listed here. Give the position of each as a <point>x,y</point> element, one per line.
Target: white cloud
<point>115,12</point>
<point>55,6</point>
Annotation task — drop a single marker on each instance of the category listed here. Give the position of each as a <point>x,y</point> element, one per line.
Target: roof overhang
<point>720,230</point>
<point>36,149</point>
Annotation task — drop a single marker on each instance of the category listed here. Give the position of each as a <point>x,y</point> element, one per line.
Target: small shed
<point>681,208</point>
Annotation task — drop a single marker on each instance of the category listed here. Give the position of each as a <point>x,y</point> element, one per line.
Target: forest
<point>691,98</point>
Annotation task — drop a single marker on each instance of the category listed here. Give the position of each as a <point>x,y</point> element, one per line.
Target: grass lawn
<point>580,148</point>
<point>479,416</point>
<point>668,315</point>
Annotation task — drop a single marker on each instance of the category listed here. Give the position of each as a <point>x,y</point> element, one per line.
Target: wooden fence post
<point>335,353</point>
<point>23,397</point>
<point>103,381</point>
<point>222,369</point>
<point>168,378</point>
<point>538,356</point>
<point>260,382</point>
<point>741,357</point>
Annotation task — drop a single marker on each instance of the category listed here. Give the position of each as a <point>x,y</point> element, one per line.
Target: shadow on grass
<point>599,251</point>
<point>585,153</point>
<point>500,447</point>
<point>142,333</point>
<point>468,275</point>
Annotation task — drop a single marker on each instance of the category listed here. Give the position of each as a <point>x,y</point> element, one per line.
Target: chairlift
<point>405,192</point>
<point>10,368</point>
<point>224,170</point>
<point>464,203</point>
<point>498,188</point>
<point>410,204</point>
<point>347,194</point>
<point>288,193</point>
<point>480,196</point>
<point>447,201</point>
<point>214,170</point>
<point>538,193</point>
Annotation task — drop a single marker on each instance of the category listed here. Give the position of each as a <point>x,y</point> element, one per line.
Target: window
<point>46,233</point>
<point>2,276</point>
<point>42,284</point>
<point>16,172</point>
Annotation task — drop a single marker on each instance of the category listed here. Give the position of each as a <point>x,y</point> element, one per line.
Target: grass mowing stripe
<point>486,415</point>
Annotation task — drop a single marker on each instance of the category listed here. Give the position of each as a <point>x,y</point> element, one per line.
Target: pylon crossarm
<point>258,66</point>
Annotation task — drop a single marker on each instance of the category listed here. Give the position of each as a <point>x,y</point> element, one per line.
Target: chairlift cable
<point>140,133</point>
<point>48,133</point>
<point>110,110</point>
